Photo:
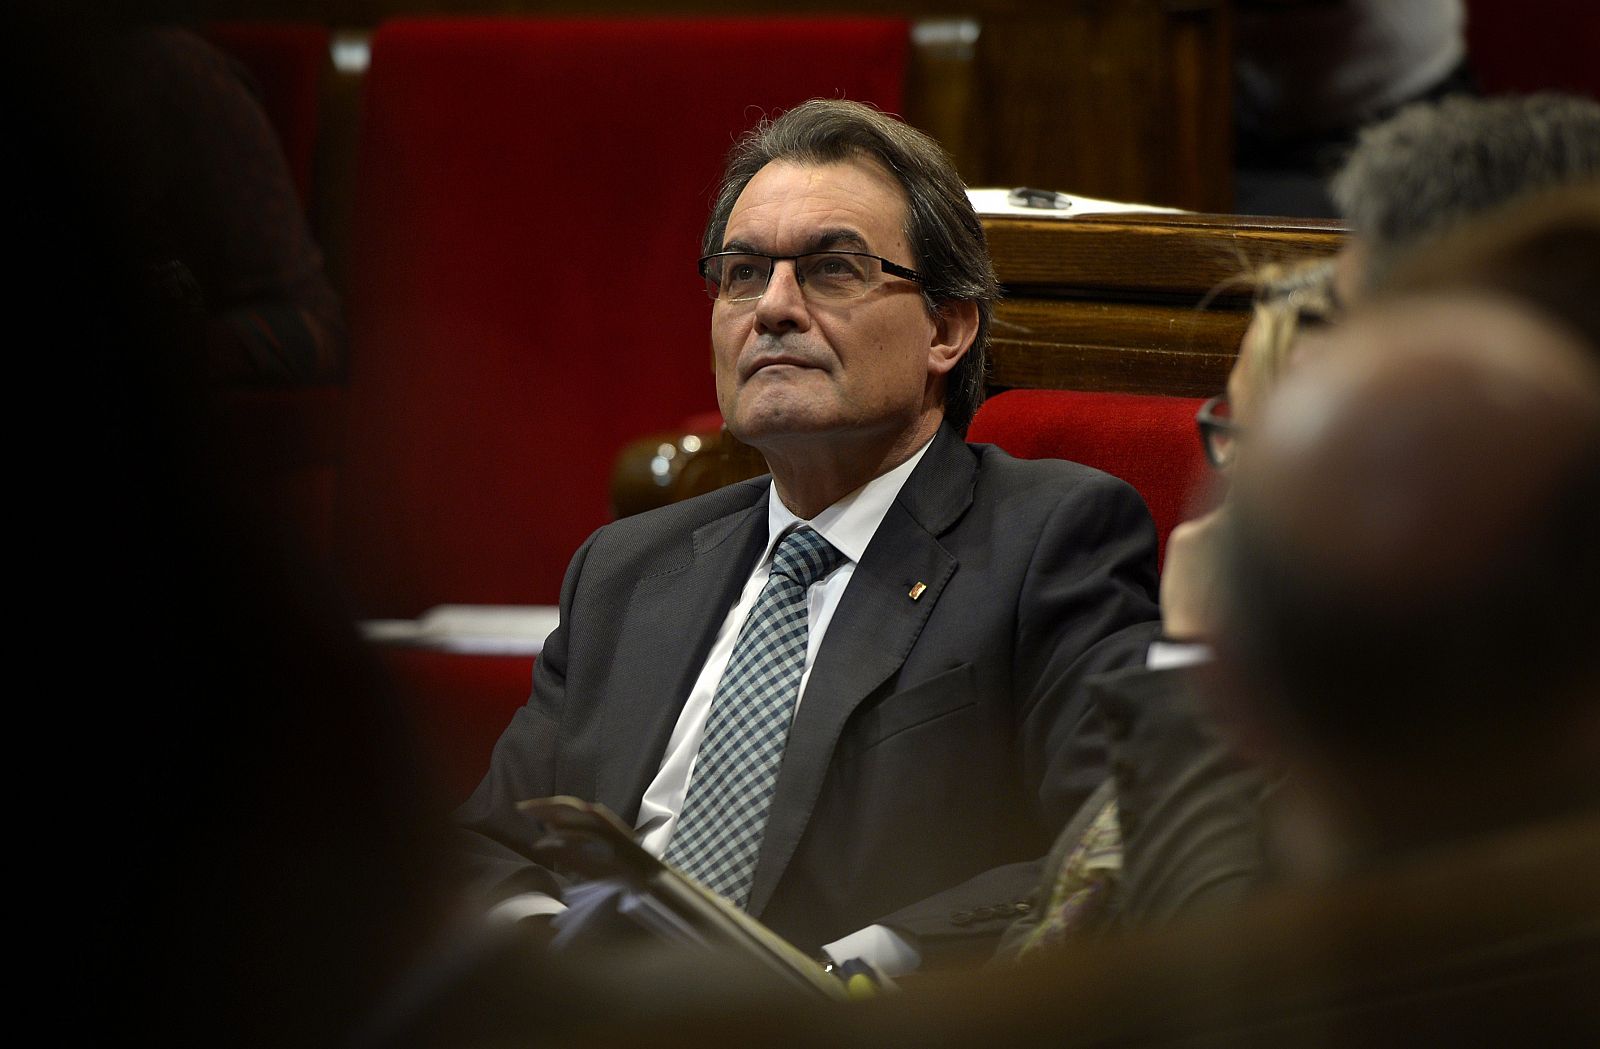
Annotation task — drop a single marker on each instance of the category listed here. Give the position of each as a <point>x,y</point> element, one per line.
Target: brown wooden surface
<point>1136,303</point>
<point>699,463</point>
<point>1130,347</point>
<point>1155,254</point>
<point>1129,101</point>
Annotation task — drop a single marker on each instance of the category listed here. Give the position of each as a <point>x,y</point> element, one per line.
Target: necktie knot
<point>804,556</point>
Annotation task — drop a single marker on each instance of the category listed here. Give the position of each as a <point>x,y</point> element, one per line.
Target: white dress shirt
<point>849,525</point>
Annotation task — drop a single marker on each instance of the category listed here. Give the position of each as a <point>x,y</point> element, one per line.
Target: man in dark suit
<point>848,694</point>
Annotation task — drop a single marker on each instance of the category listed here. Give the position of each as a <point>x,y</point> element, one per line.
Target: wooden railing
<point>1134,303</point>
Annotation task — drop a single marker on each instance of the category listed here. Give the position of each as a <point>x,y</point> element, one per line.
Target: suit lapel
<point>671,620</point>
<point>871,634</point>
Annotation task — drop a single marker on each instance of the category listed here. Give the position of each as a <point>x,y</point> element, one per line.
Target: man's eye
<point>835,268</point>
<point>740,272</point>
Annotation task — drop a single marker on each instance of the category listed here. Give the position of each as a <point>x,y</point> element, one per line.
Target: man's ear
<point>955,326</point>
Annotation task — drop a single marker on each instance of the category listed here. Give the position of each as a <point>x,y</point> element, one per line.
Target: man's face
<point>789,367</point>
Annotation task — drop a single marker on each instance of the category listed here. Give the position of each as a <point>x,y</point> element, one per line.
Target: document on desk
<point>622,877</point>
<point>500,630</point>
<point>1002,202</point>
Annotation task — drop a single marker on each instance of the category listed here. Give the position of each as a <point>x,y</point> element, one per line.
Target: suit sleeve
<point>1087,606</point>
<point>1191,807</point>
<point>495,837</point>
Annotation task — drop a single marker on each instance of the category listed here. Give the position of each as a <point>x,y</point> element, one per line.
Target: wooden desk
<point>1133,303</point>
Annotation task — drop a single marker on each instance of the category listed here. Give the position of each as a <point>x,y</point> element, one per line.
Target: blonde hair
<point>1290,296</point>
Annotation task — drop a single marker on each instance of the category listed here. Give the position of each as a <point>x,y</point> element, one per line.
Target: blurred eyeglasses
<point>823,276</point>
<point>1218,431</point>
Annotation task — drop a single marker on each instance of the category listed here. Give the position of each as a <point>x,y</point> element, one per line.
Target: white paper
<point>507,630</point>
<point>993,202</point>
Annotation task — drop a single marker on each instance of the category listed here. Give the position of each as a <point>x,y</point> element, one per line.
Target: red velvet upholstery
<point>460,704</point>
<point>1150,442</point>
<point>523,299</point>
<point>287,62</point>
<point>1535,45</point>
<point>703,422</point>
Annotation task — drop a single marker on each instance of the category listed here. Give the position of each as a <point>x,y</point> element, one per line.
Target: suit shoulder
<point>676,522</point>
<point>1047,480</point>
<point>1018,495</point>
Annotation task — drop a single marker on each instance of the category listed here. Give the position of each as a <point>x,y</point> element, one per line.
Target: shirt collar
<point>850,523</point>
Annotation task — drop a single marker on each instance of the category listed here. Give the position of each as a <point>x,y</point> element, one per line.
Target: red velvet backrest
<point>287,61</point>
<point>1150,442</point>
<point>524,299</point>
<point>1535,45</point>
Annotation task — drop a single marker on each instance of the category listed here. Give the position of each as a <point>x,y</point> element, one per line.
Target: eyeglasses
<point>1218,432</point>
<point>823,276</point>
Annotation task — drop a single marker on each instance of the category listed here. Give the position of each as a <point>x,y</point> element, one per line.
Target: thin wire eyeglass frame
<point>1215,427</point>
<point>714,286</point>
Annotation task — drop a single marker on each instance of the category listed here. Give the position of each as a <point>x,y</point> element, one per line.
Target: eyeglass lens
<point>830,276</point>
<point>1219,431</point>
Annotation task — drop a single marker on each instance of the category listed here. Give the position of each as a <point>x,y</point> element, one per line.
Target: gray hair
<point>944,232</point>
<point>1433,166</point>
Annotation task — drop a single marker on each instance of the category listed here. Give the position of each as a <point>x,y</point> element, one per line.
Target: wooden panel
<point>1136,303</point>
<point>1180,255</point>
<point>942,90</point>
<point>1129,101</point>
<point>1128,347</point>
<point>1197,151</point>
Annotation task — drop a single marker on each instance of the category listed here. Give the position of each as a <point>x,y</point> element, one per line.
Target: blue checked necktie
<point>736,769</point>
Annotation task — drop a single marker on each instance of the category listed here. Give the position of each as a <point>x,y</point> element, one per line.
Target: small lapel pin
<point>917,590</point>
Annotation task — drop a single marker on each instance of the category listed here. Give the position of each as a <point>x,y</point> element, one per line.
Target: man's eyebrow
<point>837,238</point>
<point>826,240</point>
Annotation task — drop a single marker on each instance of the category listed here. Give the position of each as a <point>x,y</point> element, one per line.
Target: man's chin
<point>757,428</point>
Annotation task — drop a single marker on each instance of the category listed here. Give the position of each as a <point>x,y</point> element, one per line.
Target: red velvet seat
<point>459,706</point>
<point>523,297</point>
<point>1535,45</point>
<point>1150,442</point>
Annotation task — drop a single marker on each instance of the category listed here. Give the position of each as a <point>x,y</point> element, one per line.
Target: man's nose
<point>782,306</point>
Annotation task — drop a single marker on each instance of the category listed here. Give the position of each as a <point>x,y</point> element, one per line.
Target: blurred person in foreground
<point>1309,74</point>
<point>1118,863</point>
<point>230,787</point>
<point>1432,171</point>
<point>1434,168</point>
<point>1192,811</point>
<point>1429,172</point>
<point>1544,251</point>
<point>1425,623</point>
<point>201,180</point>
<point>1408,623</point>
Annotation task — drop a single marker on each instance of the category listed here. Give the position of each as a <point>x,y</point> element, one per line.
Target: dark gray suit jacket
<point>942,741</point>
